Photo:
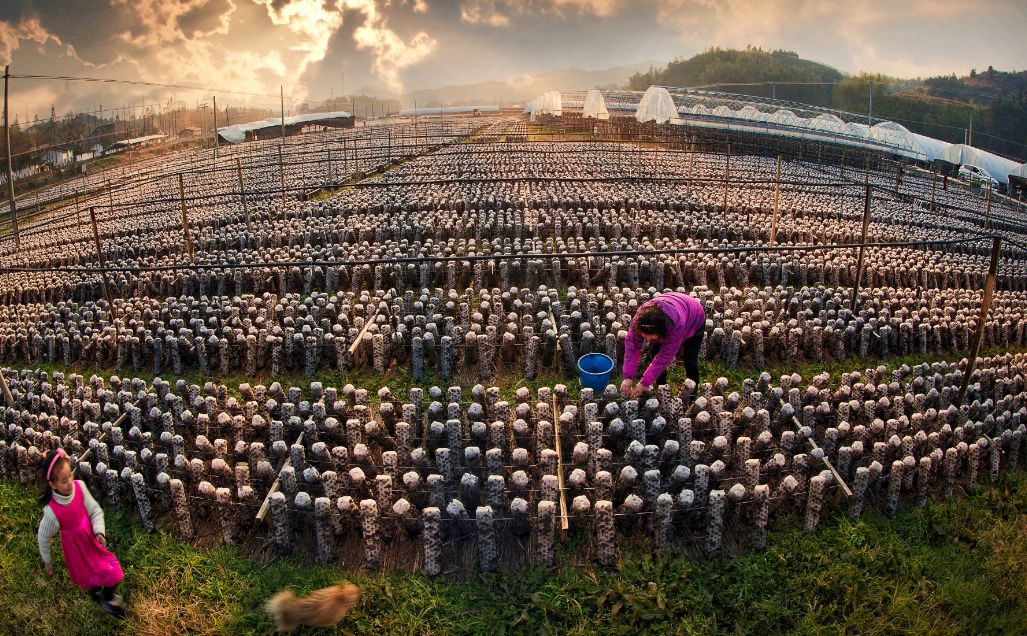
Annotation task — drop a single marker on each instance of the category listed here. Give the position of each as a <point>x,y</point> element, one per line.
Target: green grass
<point>955,567</point>
<point>400,380</point>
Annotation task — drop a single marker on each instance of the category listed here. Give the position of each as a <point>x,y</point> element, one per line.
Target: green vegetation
<point>717,66</point>
<point>955,567</point>
<point>940,107</point>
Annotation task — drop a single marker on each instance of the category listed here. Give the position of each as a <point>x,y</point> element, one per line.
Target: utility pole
<point>215,129</point>
<point>870,108</point>
<point>970,138</point>
<point>10,168</point>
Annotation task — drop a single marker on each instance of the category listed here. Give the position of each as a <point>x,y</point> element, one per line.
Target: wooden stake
<point>360,336</point>
<point>185,219</point>
<point>827,462</point>
<point>8,398</point>
<point>242,191</point>
<point>281,178</point>
<point>987,209</point>
<point>727,174</point>
<point>564,525</point>
<point>777,201</point>
<point>274,487</point>
<point>215,130</point>
<point>989,288</point>
<point>99,257</point>
<point>932,189</point>
<point>862,251</point>
<point>10,165</point>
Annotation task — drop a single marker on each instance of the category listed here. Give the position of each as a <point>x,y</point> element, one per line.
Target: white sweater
<point>49,526</point>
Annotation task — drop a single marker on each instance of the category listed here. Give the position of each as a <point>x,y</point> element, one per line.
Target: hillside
<point>526,87</point>
<point>719,66</point>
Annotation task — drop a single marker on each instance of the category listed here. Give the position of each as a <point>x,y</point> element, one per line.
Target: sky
<point>315,49</point>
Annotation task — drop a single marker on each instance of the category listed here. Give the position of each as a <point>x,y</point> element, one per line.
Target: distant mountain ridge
<point>525,87</point>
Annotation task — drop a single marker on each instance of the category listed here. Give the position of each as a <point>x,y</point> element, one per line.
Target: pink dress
<point>89,563</point>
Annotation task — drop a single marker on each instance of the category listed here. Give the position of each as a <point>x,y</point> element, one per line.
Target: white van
<point>976,176</point>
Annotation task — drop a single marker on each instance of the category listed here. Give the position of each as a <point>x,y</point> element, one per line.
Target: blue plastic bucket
<point>594,371</point>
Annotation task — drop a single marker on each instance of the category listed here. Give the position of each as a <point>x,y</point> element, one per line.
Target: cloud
<point>313,22</point>
<point>497,13</point>
<point>29,29</point>
<point>391,53</point>
<point>205,63</point>
<point>174,21</point>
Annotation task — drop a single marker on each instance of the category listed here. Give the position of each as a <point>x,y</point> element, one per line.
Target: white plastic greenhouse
<point>657,106</point>
<point>725,111</point>
<point>595,106</point>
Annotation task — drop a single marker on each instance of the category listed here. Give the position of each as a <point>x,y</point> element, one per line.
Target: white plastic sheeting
<point>998,167</point>
<point>236,134</point>
<point>857,129</point>
<point>551,104</point>
<point>829,123</point>
<point>658,106</point>
<point>751,113</point>
<point>595,106</point>
<point>784,117</point>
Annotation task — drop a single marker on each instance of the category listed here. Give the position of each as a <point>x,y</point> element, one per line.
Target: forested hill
<point>941,107</point>
<point>718,66</point>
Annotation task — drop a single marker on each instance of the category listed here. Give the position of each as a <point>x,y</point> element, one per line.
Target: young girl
<point>68,508</point>
<point>673,321</point>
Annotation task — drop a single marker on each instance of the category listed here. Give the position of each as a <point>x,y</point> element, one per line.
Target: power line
<point>101,80</point>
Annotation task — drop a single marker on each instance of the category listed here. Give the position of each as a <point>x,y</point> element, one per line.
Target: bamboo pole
<point>727,174</point>
<point>987,209</point>
<point>281,178</point>
<point>827,462</point>
<point>215,97</point>
<point>242,191</point>
<point>933,186</point>
<point>989,288</point>
<point>274,487</point>
<point>564,525</point>
<point>862,250</point>
<point>10,165</point>
<point>8,398</point>
<point>99,257</point>
<point>777,203</point>
<point>185,220</point>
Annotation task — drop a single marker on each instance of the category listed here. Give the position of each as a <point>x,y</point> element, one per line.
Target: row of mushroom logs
<point>447,467</point>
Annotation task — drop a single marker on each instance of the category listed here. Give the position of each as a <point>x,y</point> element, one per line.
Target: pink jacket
<point>687,318</point>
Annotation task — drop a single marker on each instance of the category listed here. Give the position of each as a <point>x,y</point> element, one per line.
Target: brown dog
<point>321,608</point>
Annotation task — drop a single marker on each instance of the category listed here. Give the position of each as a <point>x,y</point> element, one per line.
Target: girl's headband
<point>60,453</point>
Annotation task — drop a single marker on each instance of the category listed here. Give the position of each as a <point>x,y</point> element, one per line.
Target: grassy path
<point>955,567</point>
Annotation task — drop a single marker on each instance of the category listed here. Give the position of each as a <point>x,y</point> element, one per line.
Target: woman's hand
<point>49,568</point>
<point>101,539</point>
<point>639,390</point>
<point>626,387</point>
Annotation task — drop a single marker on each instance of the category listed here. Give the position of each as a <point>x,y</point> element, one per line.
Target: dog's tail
<point>279,607</point>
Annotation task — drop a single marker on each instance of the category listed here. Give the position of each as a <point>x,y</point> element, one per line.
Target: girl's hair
<point>44,499</point>
<point>653,321</point>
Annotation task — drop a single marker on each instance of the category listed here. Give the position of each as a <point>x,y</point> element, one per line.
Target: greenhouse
<point>759,115</point>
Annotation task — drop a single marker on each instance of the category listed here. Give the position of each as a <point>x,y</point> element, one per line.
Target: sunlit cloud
<point>27,29</point>
<point>173,21</point>
<point>391,53</point>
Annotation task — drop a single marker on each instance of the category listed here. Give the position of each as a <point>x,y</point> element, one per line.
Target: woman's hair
<point>652,321</point>
<point>44,498</point>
